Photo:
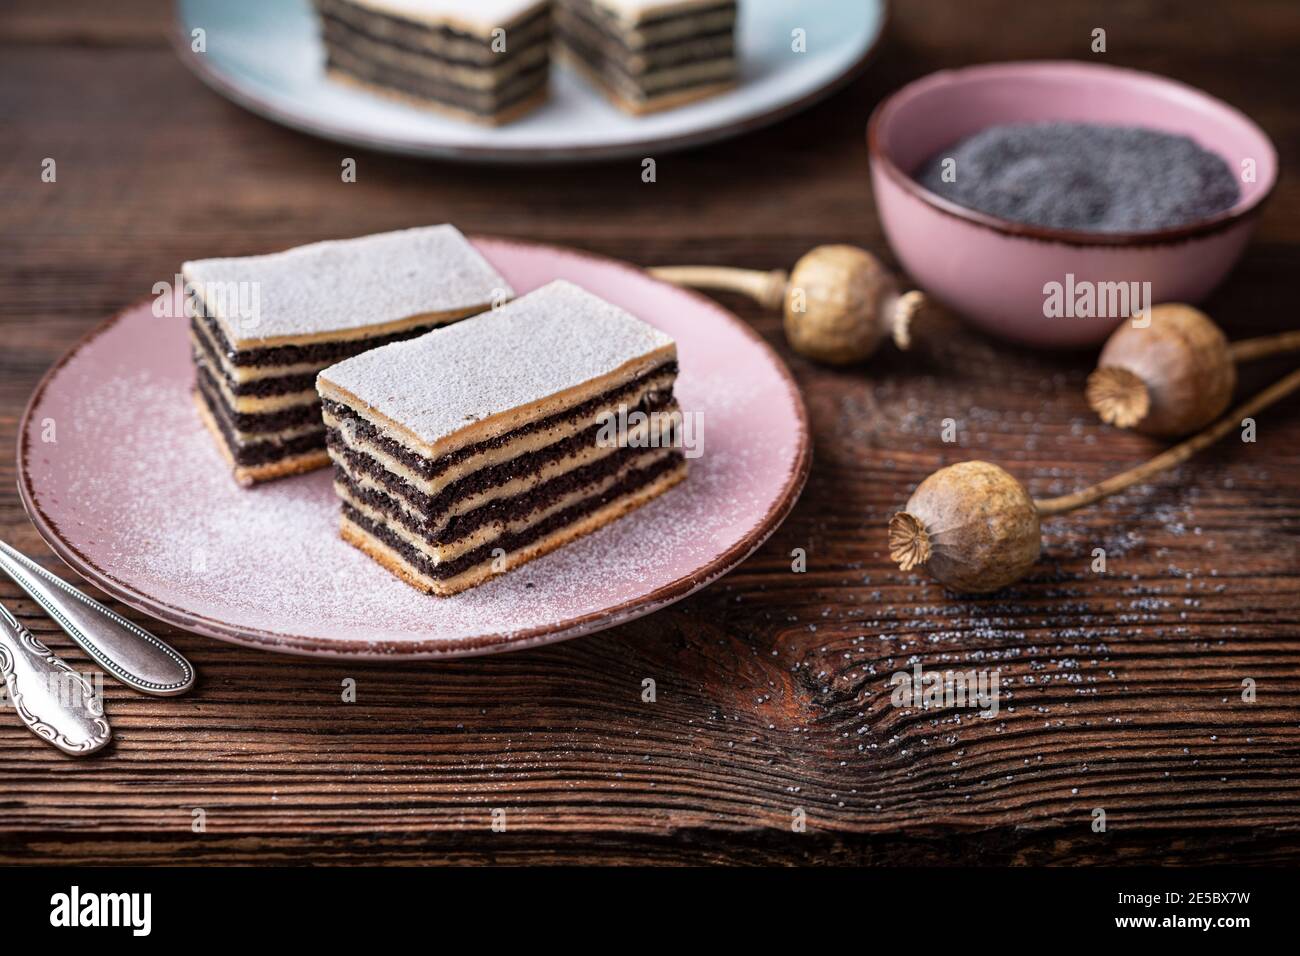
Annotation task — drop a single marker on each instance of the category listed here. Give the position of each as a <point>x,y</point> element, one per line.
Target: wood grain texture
<point>1122,690</point>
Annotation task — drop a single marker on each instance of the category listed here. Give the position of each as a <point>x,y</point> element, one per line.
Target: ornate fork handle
<point>54,701</point>
<point>128,652</point>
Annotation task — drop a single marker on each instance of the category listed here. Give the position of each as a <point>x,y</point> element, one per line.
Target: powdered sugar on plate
<point>135,488</point>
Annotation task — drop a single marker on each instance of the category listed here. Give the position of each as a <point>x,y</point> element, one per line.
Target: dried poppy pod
<point>971,525</point>
<point>1175,375</point>
<point>840,302</point>
<point>975,528</point>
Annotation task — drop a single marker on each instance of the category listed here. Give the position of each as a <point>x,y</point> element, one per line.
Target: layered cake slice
<point>482,60</point>
<point>473,449</point>
<point>261,327</point>
<point>649,55</point>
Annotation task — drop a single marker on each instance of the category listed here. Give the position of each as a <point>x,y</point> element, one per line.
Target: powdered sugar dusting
<point>484,14</point>
<point>349,283</point>
<point>554,339</point>
<point>635,9</point>
<point>135,485</point>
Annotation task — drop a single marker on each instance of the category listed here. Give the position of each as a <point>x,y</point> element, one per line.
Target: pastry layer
<point>288,412</point>
<point>439,517</point>
<point>477,566</point>
<point>435,63</point>
<point>481,105</point>
<point>636,104</point>
<point>248,474</point>
<point>685,64</point>
<point>507,115</point>
<point>510,515</point>
<point>451,38</point>
<point>502,77</point>
<point>280,393</point>
<point>265,446</point>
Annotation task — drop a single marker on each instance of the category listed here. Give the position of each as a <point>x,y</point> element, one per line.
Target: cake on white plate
<point>650,55</point>
<point>486,61</point>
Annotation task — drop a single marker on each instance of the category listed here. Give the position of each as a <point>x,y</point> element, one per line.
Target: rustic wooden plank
<point>1124,688</point>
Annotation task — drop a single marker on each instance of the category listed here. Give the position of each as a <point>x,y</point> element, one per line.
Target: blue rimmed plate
<point>266,56</point>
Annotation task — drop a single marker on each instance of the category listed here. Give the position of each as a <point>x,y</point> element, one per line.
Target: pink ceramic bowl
<point>993,271</point>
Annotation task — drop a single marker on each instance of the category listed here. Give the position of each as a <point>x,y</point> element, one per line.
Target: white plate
<point>266,56</point>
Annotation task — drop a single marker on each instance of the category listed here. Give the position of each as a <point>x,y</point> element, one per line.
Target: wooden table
<point>1125,687</point>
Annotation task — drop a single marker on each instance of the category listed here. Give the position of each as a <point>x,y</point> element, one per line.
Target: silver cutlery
<point>128,652</point>
<point>55,702</point>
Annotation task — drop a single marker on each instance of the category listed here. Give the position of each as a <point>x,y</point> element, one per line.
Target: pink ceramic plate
<point>126,486</point>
